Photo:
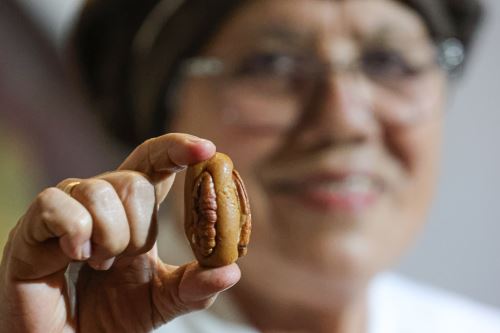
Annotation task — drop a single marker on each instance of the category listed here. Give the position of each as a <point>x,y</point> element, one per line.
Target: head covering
<point>128,51</point>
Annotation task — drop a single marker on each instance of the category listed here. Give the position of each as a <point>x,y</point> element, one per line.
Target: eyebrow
<point>282,34</point>
<point>387,32</point>
<point>386,37</point>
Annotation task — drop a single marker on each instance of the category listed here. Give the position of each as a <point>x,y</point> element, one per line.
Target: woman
<point>332,113</point>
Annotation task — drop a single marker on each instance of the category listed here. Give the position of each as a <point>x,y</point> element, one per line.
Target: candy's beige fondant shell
<point>228,210</point>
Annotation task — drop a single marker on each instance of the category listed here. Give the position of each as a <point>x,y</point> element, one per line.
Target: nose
<point>340,112</point>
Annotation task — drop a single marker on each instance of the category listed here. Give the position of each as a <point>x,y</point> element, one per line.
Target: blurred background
<point>46,135</point>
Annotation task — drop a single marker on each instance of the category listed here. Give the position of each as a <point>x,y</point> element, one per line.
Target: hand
<point>109,222</point>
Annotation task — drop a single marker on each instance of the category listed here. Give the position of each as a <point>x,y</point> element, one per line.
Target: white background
<point>460,249</point>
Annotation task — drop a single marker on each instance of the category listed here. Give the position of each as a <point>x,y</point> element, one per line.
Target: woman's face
<point>331,112</point>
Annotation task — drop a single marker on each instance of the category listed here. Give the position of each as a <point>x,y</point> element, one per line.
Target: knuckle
<point>94,188</point>
<point>174,305</point>
<point>144,146</point>
<point>181,306</point>
<point>44,204</point>
<point>138,186</point>
<point>45,216</point>
<point>46,197</point>
<point>201,305</point>
<point>172,136</point>
<point>111,242</point>
<point>147,142</point>
<point>82,223</point>
<point>109,248</point>
<point>120,245</point>
<point>139,246</point>
<point>113,247</point>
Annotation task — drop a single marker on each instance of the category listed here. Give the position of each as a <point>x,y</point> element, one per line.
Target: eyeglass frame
<point>450,57</point>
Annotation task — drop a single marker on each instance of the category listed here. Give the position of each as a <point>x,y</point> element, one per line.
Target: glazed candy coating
<point>217,212</point>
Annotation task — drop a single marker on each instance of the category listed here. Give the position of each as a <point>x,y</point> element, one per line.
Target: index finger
<point>160,157</point>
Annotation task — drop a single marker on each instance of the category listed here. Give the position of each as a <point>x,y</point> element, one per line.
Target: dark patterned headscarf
<point>128,51</point>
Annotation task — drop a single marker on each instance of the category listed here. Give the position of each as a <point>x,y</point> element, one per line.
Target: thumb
<point>190,287</point>
<point>161,157</point>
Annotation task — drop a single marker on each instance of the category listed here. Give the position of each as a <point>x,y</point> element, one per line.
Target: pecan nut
<point>218,220</point>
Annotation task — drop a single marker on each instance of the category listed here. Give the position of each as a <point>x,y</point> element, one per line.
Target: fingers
<point>100,218</point>
<point>110,229</point>
<point>191,287</point>
<point>162,156</point>
<point>140,190</point>
<point>159,158</point>
<point>124,214</point>
<point>53,216</point>
<point>137,195</point>
<point>200,285</point>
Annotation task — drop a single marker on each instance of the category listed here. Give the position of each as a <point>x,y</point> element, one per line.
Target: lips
<point>332,190</point>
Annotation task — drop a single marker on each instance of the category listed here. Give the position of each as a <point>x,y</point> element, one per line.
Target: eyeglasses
<point>273,89</point>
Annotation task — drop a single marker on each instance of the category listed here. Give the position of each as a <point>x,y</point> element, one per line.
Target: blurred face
<point>331,112</point>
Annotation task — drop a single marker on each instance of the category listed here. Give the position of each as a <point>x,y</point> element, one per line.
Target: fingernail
<point>199,141</point>
<point>195,139</point>
<point>176,168</point>
<point>101,265</point>
<point>228,287</point>
<point>85,250</point>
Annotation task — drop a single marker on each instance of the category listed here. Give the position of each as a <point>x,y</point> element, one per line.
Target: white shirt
<point>396,305</point>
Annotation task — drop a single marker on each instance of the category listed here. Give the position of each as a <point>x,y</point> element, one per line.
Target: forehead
<point>359,18</point>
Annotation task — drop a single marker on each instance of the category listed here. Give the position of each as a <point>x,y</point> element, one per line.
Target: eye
<point>270,64</point>
<point>276,74</point>
<point>380,64</point>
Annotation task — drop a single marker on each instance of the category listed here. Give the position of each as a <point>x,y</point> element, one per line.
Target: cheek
<point>421,150</point>
<point>417,143</point>
<point>416,149</point>
<point>407,211</point>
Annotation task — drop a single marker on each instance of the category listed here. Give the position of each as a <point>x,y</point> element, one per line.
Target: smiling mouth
<point>350,192</point>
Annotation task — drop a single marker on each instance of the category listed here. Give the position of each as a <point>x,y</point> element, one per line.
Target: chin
<point>343,255</point>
